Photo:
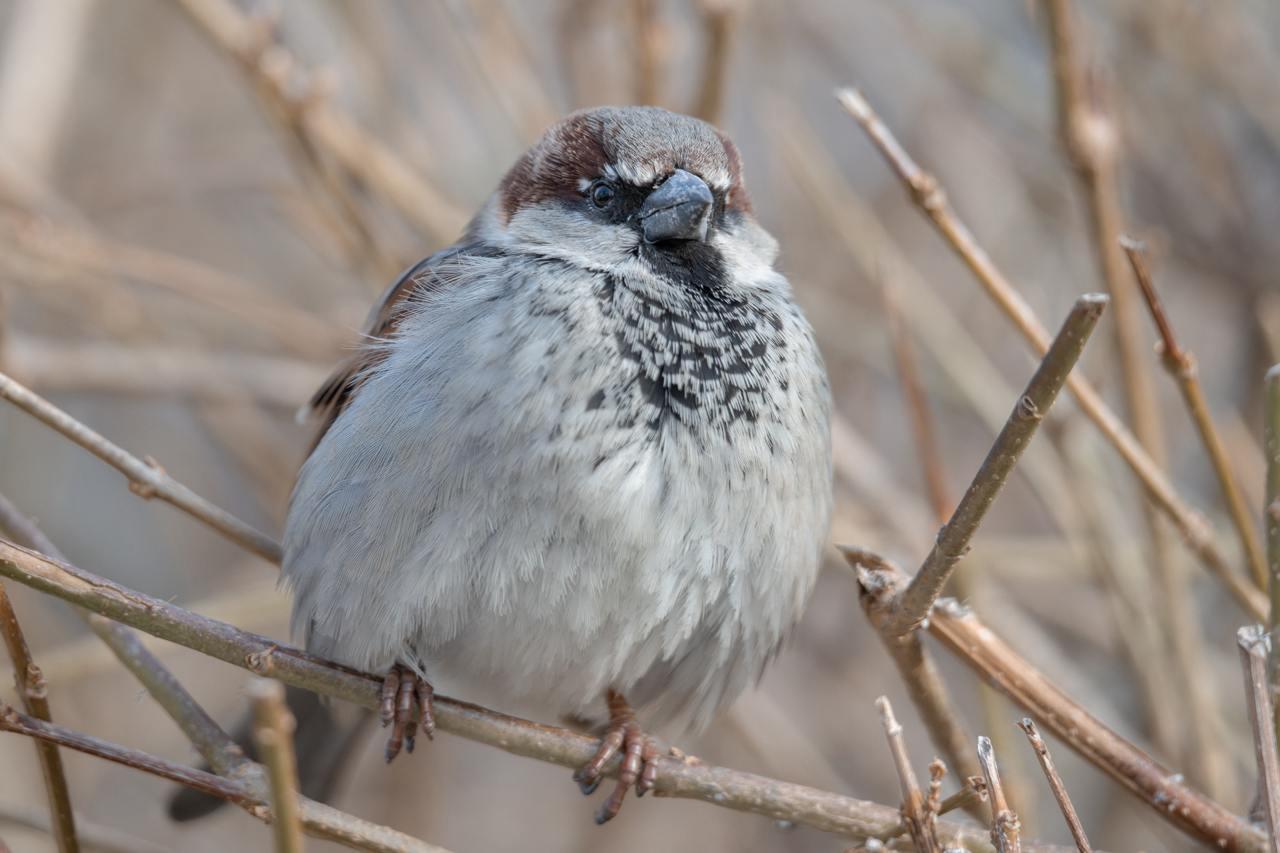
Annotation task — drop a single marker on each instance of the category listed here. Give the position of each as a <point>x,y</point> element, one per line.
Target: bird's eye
<point>602,194</point>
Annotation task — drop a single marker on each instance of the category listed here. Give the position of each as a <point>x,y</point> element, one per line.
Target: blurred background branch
<point>199,198</point>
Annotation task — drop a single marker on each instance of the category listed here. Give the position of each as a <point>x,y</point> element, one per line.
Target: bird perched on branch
<point>580,466</point>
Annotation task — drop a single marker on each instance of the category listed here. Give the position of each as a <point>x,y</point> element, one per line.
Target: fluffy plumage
<point>571,460</point>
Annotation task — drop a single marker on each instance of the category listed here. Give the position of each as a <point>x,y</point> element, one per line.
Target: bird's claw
<point>402,689</point>
<point>639,768</point>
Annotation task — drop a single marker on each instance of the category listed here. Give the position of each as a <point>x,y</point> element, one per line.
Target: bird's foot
<point>401,690</point>
<point>639,758</point>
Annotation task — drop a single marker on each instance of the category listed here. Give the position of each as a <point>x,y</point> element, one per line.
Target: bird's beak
<point>679,209</point>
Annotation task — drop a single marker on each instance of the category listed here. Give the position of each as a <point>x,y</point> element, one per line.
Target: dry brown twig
<point>146,478</point>
<point>80,249</point>
<point>1255,649</point>
<point>1000,666</point>
<point>273,728</point>
<point>720,786</point>
<point>928,195</point>
<point>1005,828</point>
<point>214,745</point>
<point>34,696</point>
<point>953,540</point>
<point>916,813</point>
<point>1055,784</point>
<point>1271,518</point>
<point>1091,141</point>
<point>278,73</point>
<point>924,685</point>
<point>171,372</point>
<point>319,820</point>
<point>1181,365</point>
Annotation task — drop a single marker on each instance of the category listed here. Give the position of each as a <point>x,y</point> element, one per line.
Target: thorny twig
<point>928,195</point>
<point>1055,784</point>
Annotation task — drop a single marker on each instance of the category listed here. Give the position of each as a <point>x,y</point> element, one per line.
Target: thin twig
<point>1091,142</point>
<point>273,728</point>
<point>213,744</point>
<point>13,721</point>
<point>915,814</point>
<point>371,163</point>
<point>1055,784</point>
<point>1004,823</point>
<point>1181,365</point>
<point>35,699</point>
<point>952,543</point>
<point>319,820</point>
<point>1255,648</point>
<point>170,372</point>
<point>926,439</point>
<point>999,665</point>
<point>721,786</point>
<point>929,197</point>
<point>916,666</point>
<point>146,479</point>
<point>1271,518</point>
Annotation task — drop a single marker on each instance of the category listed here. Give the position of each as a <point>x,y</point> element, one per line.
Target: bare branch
<point>273,728</point>
<point>13,721</point>
<point>1165,792</point>
<point>35,699</point>
<point>1255,648</point>
<point>1004,823</point>
<point>319,820</point>
<point>277,74</point>
<point>213,744</point>
<point>170,372</point>
<point>146,479</point>
<point>1271,518</point>
<point>1182,366</point>
<point>928,195</point>
<point>911,608</point>
<point>915,814</point>
<point>1055,784</point>
<point>926,438</point>
<point>720,786</point>
<point>915,665</point>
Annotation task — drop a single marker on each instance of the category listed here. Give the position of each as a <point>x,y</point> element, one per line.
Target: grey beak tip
<point>679,209</point>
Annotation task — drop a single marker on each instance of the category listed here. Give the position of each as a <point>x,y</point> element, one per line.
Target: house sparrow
<point>581,465</point>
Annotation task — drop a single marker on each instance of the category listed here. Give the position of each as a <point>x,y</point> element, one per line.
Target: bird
<point>579,464</point>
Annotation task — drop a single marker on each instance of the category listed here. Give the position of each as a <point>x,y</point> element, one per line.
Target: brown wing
<point>336,393</point>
